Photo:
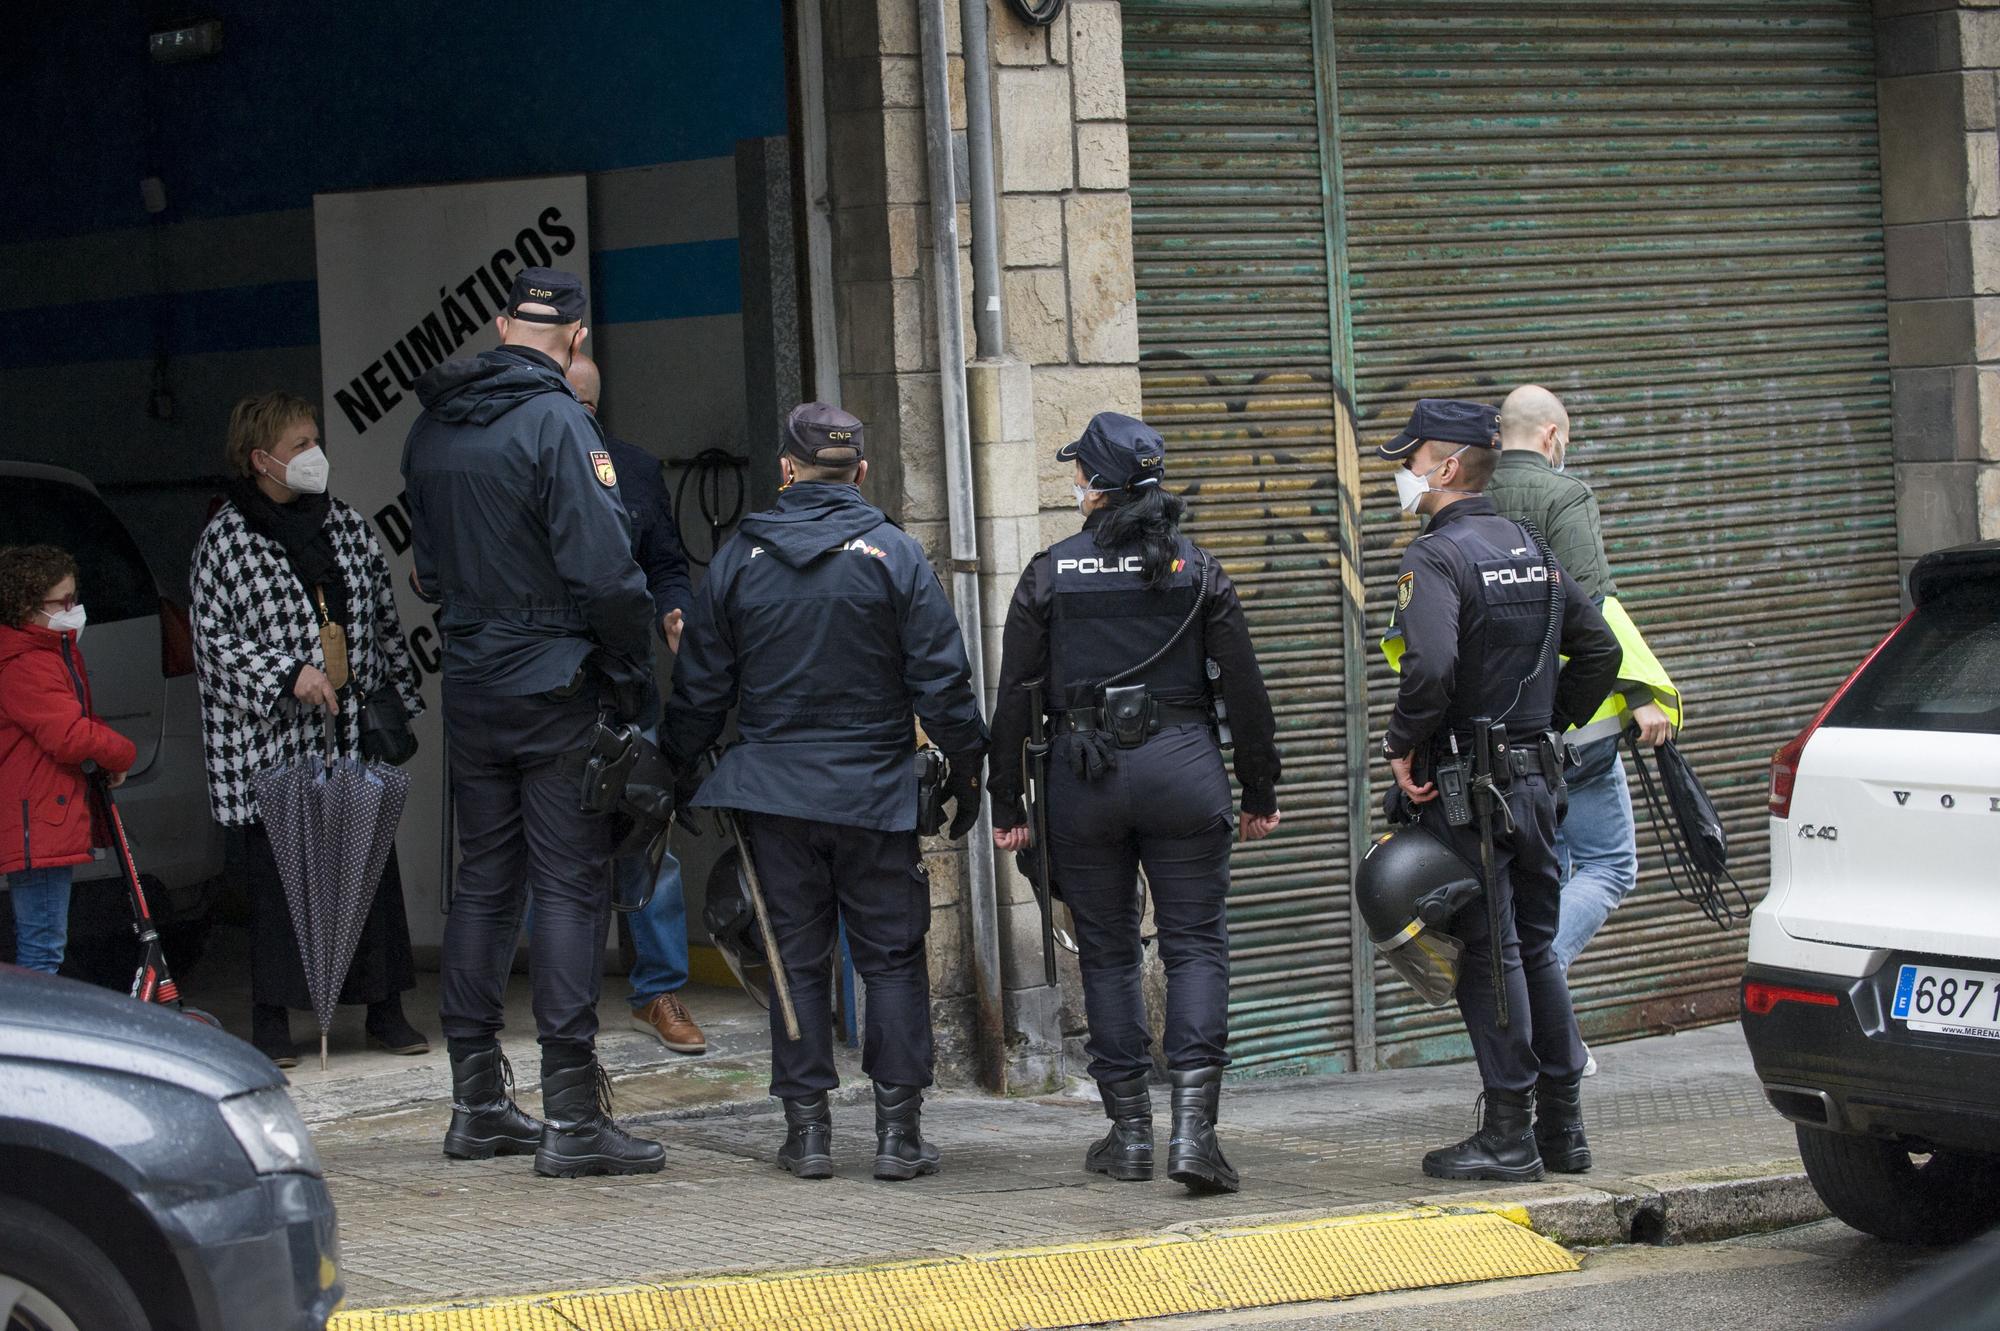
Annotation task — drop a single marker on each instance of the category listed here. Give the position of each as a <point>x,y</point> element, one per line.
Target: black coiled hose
<point>717,477</point>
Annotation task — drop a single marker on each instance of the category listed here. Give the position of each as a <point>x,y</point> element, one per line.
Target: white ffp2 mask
<point>71,620</point>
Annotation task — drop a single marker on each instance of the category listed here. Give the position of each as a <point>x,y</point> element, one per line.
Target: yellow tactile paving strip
<point>1076,1285</point>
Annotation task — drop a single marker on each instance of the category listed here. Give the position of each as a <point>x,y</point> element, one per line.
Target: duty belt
<point>1078,720</point>
<point>1540,754</point>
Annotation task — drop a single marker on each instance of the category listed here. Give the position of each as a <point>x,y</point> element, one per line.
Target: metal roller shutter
<point>1230,238</point>
<point>1669,212</point>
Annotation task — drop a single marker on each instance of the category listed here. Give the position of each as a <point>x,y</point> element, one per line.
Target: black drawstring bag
<point>1697,861</point>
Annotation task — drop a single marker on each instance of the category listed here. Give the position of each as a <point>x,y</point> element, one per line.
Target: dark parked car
<point>153,1173</point>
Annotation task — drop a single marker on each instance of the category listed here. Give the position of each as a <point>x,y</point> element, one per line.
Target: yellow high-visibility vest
<point>1639,671</point>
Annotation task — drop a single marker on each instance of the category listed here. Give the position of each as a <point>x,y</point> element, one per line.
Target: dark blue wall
<point>318,95</point>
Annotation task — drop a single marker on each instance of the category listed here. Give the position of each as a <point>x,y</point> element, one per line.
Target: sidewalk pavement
<point>1685,1146</point>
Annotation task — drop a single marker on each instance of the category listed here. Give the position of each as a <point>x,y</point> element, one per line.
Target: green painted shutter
<point>1669,212</point>
<point>1230,231</point>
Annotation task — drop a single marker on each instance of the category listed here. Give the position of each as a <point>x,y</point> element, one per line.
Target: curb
<point>1694,1206</point>
<point>1202,1269</point>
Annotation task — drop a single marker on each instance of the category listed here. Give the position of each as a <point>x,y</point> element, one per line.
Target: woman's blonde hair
<point>257,422</point>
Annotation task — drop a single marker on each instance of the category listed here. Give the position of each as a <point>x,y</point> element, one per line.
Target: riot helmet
<point>732,926</point>
<point>1409,886</point>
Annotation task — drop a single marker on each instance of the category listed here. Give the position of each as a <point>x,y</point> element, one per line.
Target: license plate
<point>1931,998</point>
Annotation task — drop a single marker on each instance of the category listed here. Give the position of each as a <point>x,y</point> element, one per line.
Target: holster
<point>1128,714</point>
<point>931,772</point>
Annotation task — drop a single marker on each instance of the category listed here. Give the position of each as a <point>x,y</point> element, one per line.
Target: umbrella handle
<point>332,743</point>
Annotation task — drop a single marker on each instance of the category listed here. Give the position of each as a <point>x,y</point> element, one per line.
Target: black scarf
<point>300,528</point>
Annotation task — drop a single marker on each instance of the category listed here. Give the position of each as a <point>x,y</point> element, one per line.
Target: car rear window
<point>112,579</point>
<point>1942,672</point>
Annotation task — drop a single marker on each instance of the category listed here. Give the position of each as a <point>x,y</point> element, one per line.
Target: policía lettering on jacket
<point>1092,564</point>
<point>1514,577</point>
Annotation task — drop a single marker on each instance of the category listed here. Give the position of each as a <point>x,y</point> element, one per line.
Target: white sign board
<point>409,278</point>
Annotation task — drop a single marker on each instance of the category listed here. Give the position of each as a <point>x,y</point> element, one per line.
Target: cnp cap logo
<point>539,291</point>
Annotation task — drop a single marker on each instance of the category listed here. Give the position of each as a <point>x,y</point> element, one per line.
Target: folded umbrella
<point>332,822</point>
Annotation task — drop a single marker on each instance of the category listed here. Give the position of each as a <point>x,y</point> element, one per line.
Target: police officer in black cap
<point>1119,626</point>
<point>1482,609</point>
<point>522,541</point>
<point>822,623</point>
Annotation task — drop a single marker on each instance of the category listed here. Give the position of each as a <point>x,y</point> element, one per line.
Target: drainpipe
<point>989,337</point>
<point>982,901</point>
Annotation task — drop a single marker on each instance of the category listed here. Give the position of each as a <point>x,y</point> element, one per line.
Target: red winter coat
<point>47,730</point>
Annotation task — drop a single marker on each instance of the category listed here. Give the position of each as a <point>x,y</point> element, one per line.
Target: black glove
<point>1091,754</point>
<point>962,785</point>
<point>1396,806</point>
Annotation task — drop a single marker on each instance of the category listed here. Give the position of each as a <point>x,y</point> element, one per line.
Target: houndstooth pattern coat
<point>253,626</point>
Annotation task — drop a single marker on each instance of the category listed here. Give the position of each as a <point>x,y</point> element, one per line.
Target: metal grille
<point>1230,238</point>
<point>1670,213</point>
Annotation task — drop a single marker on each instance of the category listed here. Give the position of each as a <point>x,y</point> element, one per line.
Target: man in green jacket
<point>1596,843</point>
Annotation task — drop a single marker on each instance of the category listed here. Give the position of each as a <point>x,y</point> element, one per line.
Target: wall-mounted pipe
<point>982,900</point>
<point>988,329</point>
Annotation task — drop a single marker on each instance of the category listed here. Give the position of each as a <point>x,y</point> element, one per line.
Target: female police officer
<point>1116,625</point>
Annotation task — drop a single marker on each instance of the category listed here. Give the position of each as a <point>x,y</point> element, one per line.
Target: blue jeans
<point>659,932</point>
<point>41,917</point>
<point>1596,846</point>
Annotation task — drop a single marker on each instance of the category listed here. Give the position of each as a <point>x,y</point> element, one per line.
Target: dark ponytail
<point>1149,518</point>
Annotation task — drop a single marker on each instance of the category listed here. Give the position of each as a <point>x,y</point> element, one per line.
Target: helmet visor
<point>1427,959</point>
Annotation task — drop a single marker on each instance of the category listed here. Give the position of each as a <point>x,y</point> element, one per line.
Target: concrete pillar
<point>1938,62</point>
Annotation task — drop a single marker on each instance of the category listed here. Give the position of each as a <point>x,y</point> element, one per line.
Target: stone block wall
<point>1072,349</point>
<point>1938,62</point>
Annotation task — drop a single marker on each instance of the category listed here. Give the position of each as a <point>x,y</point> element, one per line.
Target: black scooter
<point>154,982</point>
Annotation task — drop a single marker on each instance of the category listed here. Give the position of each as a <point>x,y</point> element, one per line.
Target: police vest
<point>1640,674</point>
<point>1105,620</point>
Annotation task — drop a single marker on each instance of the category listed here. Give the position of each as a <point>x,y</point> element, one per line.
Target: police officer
<point>1120,622</point>
<point>822,623</point>
<point>1473,603</point>
<point>537,646</point>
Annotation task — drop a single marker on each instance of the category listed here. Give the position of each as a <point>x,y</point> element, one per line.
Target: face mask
<point>307,472</point>
<point>1083,494</point>
<point>1562,455</point>
<point>1411,487</point>
<point>68,621</point>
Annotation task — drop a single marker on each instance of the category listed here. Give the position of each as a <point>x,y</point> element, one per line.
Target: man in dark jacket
<point>521,538</point>
<point>659,930</point>
<point>824,625</point>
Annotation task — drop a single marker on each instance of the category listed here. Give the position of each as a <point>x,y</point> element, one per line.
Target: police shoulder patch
<point>600,462</point>
<point>1406,587</point>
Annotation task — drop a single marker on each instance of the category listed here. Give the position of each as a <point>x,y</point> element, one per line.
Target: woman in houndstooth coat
<point>275,562</point>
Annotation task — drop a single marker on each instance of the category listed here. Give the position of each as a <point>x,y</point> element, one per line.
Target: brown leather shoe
<point>667,1017</point>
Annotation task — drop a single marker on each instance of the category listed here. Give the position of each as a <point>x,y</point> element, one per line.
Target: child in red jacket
<point>47,733</point>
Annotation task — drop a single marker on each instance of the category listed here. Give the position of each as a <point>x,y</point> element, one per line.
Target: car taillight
<point>1785,762</point>
<point>176,641</point>
<point>1760,998</point>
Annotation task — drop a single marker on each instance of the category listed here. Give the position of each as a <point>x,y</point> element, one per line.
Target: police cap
<point>1118,452</point>
<point>551,287</point>
<point>822,435</point>
<point>1448,420</point>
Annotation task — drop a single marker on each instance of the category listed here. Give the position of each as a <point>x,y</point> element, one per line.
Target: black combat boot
<point>1194,1156</point>
<point>580,1138</point>
<point>1502,1151</point>
<point>808,1148</point>
<point>485,1121</point>
<point>1126,1153</point>
<point>900,1149</point>
<point>1559,1126</point>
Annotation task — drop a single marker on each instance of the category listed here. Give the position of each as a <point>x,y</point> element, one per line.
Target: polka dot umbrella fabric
<point>331,821</point>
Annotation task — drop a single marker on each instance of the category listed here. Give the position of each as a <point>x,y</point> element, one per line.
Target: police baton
<point>781,990</point>
<point>1489,744</point>
<point>1034,779</point>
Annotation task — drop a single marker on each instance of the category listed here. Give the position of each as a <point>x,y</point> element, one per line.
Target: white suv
<point>1871,1001</point>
